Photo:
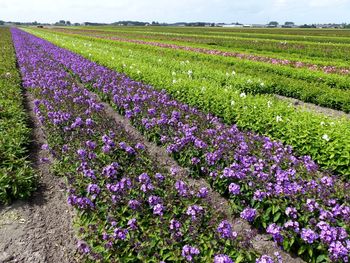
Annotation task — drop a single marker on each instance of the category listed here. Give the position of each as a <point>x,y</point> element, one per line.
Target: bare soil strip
<point>38,230</point>
<point>313,107</point>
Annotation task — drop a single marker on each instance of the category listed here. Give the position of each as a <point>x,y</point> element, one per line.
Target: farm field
<point>186,144</point>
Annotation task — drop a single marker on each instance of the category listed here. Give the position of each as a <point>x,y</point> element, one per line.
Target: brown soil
<point>314,108</point>
<point>38,230</point>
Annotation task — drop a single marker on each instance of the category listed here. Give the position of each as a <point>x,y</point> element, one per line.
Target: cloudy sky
<point>244,11</point>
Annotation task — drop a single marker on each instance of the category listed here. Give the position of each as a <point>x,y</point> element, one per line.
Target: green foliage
<point>325,139</point>
<point>17,179</point>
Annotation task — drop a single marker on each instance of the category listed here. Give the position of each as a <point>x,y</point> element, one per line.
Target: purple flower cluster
<point>225,230</point>
<point>189,252</point>
<point>194,211</point>
<point>248,214</point>
<point>222,259</point>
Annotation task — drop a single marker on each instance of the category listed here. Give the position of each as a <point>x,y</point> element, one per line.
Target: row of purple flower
<point>128,208</point>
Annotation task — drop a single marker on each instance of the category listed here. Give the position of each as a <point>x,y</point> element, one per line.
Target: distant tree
<point>273,24</point>
<point>289,23</point>
<point>76,24</point>
<point>68,23</point>
<point>62,22</point>
<point>2,22</point>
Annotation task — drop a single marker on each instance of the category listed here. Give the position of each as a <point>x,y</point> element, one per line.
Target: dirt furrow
<point>38,230</point>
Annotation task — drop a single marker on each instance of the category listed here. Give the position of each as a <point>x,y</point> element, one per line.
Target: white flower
<point>269,103</point>
<point>243,95</point>
<point>262,84</point>
<point>173,73</point>
<point>187,61</point>
<point>203,88</point>
<point>233,72</point>
<point>227,74</point>
<point>249,81</point>
<point>332,123</point>
<point>124,65</point>
<point>322,123</point>
<point>89,54</point>
<point>325,137</point>
<point>189,72</point>
<point>159,60</point>
<point>138,71</point>
<point>131,67</point>
<point>278,118</point>
<point>112,58</point>
<point>232,102</point>
<point>174,81</point>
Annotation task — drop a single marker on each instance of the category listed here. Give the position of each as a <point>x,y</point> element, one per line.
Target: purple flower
<point>248,214</point>
<point>93,189</point>
<point>45,147</point>
<point>106,149</point>
<point>194,211</point>
<point>147,187</point>
<point>234,189</point>
<point>327,181</point>
<point>90,144</point>
<point>264,259</point>
<point>311,205</point>
<point>139,146</point>
<point>159,177</point>
<point>181,188</point>
<point>132,223</point>
<point>294,225</point>
<point>134,204</point>
<point>203,192</point>
<point>225,230</point>
<point>82,153</point>
<point>222,259</point>
<point>308,235</point>
<point>83,247</point>
<point>144,178</point>
<point>158,209</point>
<point>275,231</point>
<point>174,224</point>
<point>338,251</point>
<point>154,200</point>
<point>189,252</point>
<point>89,122</point>
<point>120,233</point>
<point>291,212</point>
<point>110,170</point>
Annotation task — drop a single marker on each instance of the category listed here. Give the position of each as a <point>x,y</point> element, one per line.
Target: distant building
<point>258,25</point>
<point>232,25</point>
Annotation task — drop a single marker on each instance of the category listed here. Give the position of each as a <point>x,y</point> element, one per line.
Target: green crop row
<point>325,139</point>
<point>300,84</point>
<point>17,179</point>
<point>305,48</point>
<point>164,37</point>
<point>297,33</point>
